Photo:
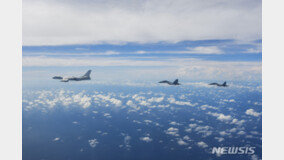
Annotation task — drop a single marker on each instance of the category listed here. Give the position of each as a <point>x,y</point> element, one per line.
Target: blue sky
<point>222,50</point>
<point>187,60</point>
<point>204,40</point>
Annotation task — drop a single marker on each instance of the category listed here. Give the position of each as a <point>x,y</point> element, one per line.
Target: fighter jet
<point>170,83</point>
<point>86,76</point>
<point>220,85</point>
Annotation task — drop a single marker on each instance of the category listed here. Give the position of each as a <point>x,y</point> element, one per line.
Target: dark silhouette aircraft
<point>220,85</point>
<point>170,83</point>
<point>86,76</point>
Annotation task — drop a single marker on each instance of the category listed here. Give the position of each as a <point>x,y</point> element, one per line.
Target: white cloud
<point>192,125</point>
<point>186,138</point>
<point>144,103</point>
<point>172,131</point>
<point>65,98</point>
<point>50,22</point>
<point>106,53</point>
<point>238,122</point>
<point>202,144</point>
<point>127,139</point>
<point>216,70</point>
<point>56,139</point>
<point>219,139</point>
<point>127,142</point>
<point>181,142</point>
<point>221,116</point>
<point>224,133</point>
<point>131,104</point>
<point>174,101</point>
<point>188,130</point>
<point>103,53</point>
<point>241,133</point>
<point>189,50</point>
<point>114,101</point>
<point>84,100</point>
<point>231,100</point>
<point>48,61</point>
<point>254,132</point>
<point>175,123</point>
<point>148,121</point>
<point>107,115</point>
<point>254,157</point>
<point>205,50</point>
<point>257,49</point>
<point>93,142</point>
<point>251,112</point>
<point>233,130</point>
<point>252,50</point>
<point>204,130</point>
<point>163,106</point>
<point>146,139</point>
<point>187,68</point>
<point>156,99</point>
<point>138,98</point>
<point>204,107</point>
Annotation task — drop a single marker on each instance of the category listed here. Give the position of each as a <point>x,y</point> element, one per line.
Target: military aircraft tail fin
<point>88,73</point>
<point>225,83</point>
<point>176,81</point>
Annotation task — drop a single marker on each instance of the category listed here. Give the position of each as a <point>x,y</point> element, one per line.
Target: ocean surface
<point>96,121</point>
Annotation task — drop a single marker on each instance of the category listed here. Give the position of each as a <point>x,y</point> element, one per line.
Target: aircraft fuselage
<point>86,76</point>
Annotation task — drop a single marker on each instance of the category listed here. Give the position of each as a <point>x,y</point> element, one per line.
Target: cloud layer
<point>187,68</point>
<point>141,110</point>
<point>50,22</point>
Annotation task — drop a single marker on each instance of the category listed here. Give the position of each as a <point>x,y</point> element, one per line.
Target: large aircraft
<point>220,85</point>
<point>86,76</point>
<point>170,83</point>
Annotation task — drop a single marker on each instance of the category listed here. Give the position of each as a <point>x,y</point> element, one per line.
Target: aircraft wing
<point>57,77</point>
<point>165,81</point>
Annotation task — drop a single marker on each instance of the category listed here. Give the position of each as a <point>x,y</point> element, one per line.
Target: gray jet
<point>170,83</point>
<point>220,85</point>
<point>86,76</point>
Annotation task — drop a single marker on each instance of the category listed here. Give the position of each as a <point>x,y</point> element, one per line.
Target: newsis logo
<point>233,150</point>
